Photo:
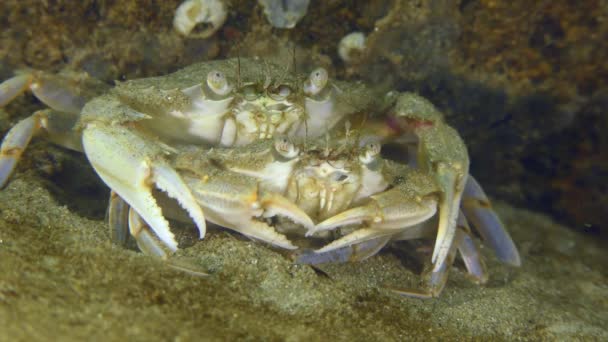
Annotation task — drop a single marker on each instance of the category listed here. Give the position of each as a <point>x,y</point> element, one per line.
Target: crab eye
<point>217,82</point>
<point>316,81</point>
<point>280,93</point>
<point>370,151</point>
<point>250,92</point>
<point>285,147</point>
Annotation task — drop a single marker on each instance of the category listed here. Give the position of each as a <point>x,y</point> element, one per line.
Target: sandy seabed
<point>61,279</point>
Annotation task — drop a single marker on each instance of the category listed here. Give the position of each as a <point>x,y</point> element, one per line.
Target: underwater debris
<point>284,13</point>
<point>211,13</point>
<point>351,46</point>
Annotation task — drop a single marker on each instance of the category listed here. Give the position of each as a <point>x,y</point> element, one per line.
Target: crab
<point>344,185</point>
<point>127,131</point>
<point>130,132</point>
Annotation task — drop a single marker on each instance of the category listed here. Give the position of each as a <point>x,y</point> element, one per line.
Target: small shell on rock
<point>284,13</point>
<point>351,45</point>
<point>190,13</point>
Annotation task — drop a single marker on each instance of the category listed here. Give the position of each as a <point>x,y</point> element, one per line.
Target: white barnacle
<point>284,13</point>
<point>191,13</point>
<point>351,45</point>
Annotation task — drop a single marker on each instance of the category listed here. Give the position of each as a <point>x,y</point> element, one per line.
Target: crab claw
<point>386,211</point>
<point>140,165</point>
<point>410,202</point>
<point>478,210</point>
<point>275,204</point>
<point>236,202</point>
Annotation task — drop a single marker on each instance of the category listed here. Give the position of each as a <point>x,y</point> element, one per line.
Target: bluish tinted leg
<point>118,220</point>
<point>352,253</point>
<point>470,253</point>
<point>479,213</point>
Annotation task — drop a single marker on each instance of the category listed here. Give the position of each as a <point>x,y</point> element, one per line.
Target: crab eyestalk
<point>370,153</point>
<point>320,104</point>
<point>218,84</point>
<point>316,82</point>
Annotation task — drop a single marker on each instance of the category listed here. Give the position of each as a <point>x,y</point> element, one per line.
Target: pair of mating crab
<point>250,147</point>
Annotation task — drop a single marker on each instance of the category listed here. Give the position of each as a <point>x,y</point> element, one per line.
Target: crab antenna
<point>305,134</point>
<point>293,56</point>
<point>326,144</point>
<point>283,75</point>
<point>267,78</point>
<point>238,65</point>
<point>347,132</point>
<point>347,127</point>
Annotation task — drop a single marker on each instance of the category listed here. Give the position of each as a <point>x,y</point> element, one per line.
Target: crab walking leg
<point>13,87</point>
<point>352,253</point>
<point>55,91</point>
<point>478,210</point>
<point>471,256</point>
<point>145,241</point>
<point>149,245</point>
<point>118,219</point>
<point>61,93</point>
<point>130,167</point>
<point>359,236</point>
<point>363,250</point>
<point>437,277</point>
<point>58,126</point>
<point>16,141</point>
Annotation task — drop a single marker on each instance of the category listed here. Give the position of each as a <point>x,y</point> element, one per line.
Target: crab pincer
<point>412,200</point>
<point>236,199</point>
<point>131,166</point>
